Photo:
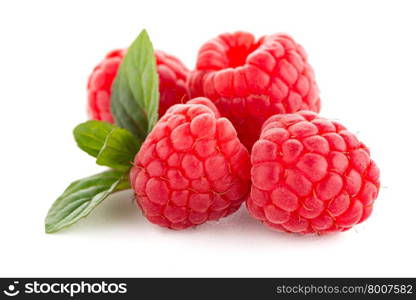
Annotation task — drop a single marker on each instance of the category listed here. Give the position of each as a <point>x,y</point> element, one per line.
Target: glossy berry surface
<point>172,83</point>
<point>311,175</point>
<point>250,80</point>
<point>191,168</point>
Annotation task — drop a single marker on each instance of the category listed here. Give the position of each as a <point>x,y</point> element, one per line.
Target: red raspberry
<point>191,168</point>
<point>172,83</point>
<point>251,80</point>
<point>311,175</point>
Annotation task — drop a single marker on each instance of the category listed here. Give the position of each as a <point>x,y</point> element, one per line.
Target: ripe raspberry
<point>251,80</point>
<point>191,168</point>
<point>311,175</point>
<point>172,83</point>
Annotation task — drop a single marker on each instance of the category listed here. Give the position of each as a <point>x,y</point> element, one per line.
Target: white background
<point>364,56</point>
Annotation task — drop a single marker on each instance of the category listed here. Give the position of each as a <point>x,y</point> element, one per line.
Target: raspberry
<point>251,80</point>
<point>311,175</point>
<point>172,83</point>
<point>191,168</point>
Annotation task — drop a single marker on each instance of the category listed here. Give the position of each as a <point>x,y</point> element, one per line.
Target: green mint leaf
<point>112,146</point>
<point>81,197</point>
<point>135,91</point>
<point>118,150</point>
<point>91,136</point>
